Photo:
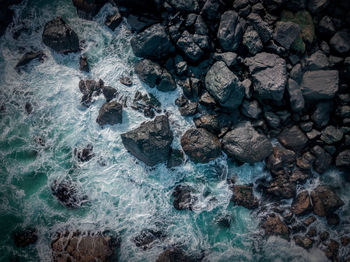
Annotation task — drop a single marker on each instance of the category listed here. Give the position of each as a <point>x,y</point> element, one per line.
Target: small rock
<point>263,29</point>
<point>125,81</point>
<point>321,114</point>
<point>301,204</point>
<point>114,20</point>
<point>333,219</point>
<point>296,98</point>
<point>304,242</point>
<point>110,113</point>
<point>26,237</point>
<point>251,109</point>
<point>317,61</point>
<point>252,41</point>
<point>308,221</point>
<point>343,159</point>
<point>243,196</point>
<point>331,135</point>
<point>323,159</point>
<point>183,197</point>
<point>29,108</point>
<point>147,237</point>
<point>325,201</point>
<point>188,109</point>
<point>67,193</point>
<point>293,138</point>
<point>176,158</point>
<point>306,161</point>
<point>83,64</point>
<point>28,57</point>
<point>189,47</point>
<point>109,92</point>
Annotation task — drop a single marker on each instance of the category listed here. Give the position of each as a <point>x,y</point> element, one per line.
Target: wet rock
<point>322,113</point>
<point>230,32</point>
<point>125,81</point>
<point>312,232</point>
<point>154,75</point>
<point>176,158</point>
<point>109,93</point>
<point>320,84</point>
<point>60,37</point>
<point>189,47</point>
<point>183,197</point>
<point>317,61</point>
<point>296,98</point>
<point>301,204</point>
<point>325,201</point>
<point>147,104</point>
<point>332,250</point>
<point>331,135</point>
<point>188,109</point>
<point>306,161</point>
<point>273,225</point>
<point>323,159</point>
<point>173,255</point>
<point>245,144</point>
<point>343,159</point>
<point>28,57</point>
<point>340,42</point>
<point>114,20</point>
<point>299,176</point>
<point>293,138</point>
<point>272,119</point>
<point>308,221</point>
<point>83,64</point>
<point>87,9</point>
<point>243,196</point>
<point>280,160</point>
<point>147,237</point>
<point>269,75</point>
<point>207,100</point>
<point>345,240</point>
<point>152,43</point>
<point>151,141</point>
<point>263,29</point>
<point>286,33</point>
<point>281,187</point>
<point>316,6</point>
<point>324,236</point>
<point>84,154</point>
<point>304,242</point>
<point>200,145</point>
<point>25,237</point>
<point>67,193</point>
<point>110,113</point>
<point>89,88</point>
<point>251,109</point>
<point>333,219</point>
<point>29,108</point>
<point>306,126</point>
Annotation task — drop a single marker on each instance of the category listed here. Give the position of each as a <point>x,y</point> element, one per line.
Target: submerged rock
<point>293,138</point>
<point>26,237</point>
<point>110,113</point>
<point>60,37</point>
<point>183,197</point>
<point>176,158</point>
<point>147,237</point>
<point>87,9</point>
<point>83,64</point>
<point>243,196</point>
<point>151,141</point>
<point>67,193</point>
<point>28,57</point>
<point>84,154</point>
<point>325,201</point>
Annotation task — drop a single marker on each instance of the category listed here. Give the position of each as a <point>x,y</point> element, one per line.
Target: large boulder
<point>151,141</point>
<point>110,113</point>
<point>154,75</point>
<point>269,75</point>
<point>245,144</point>
<point>243,196</point>
<point>340,42</point>
<point>60,37</point>
<point>184,6</point>
<point>286,33</point>
<point>224,86</point>
<point>189,47</point>
<point>273,225</point>
<point>230,32</point>
<point>320,84</point>
<point>152,43</point>
<point>325,201</point>
<point>301,204</point>
<point>293,138</point>
<point>200,145</point>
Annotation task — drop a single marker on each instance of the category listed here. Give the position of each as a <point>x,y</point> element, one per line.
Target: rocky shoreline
<point>263,80</point>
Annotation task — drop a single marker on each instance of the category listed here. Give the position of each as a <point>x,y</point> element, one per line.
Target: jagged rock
<point>110,113</point>
<point>269,75</point>
<point>151,141</point>
<point>84,154</point>
<point>210,9</point>
<point>189,47</point>
<point>147,104</point>
<point>306,126</point>
<point>273,225</point>
<point>87,9</point>
<point>83,64</point>
<point>28,57</point>
<point>293,138</point>
<point>304,242</point>
<point>224,86</point>
<point>301,204</point>
<point>280,160</point>
<point>322,113</point>
<point>306,161</point>
<point>26,237</point>
<point>155,76</point>
<point>317,61</point>
<point>188,109</point>
<point>88,88</point>
<point>340,42</point>
<point>176,158</point>
<point>332,250</point>
<point>152,43</point>
<point>230,32</point>
<point>325,201</point>
<point>174,255</point>
<point>252,41</point>
<point>125,81</point>
<point>60,37</point>
<point>316,6</point>
<point>331,135</point>
<point>245,144</point>
<point>186,6</point>
<point>109,93</point>
<point>343,159</point>
<point>296,74</point>
<point>243,196</point>
<point>323,159</point>
<point>200,145</point>
<point>333,219</point>
<point>326,26</point>
<point>229,58</point>
<point>282,187</point>
<point>28,107</point>
<point>286,33</point>
<point>263,29</point>
<point>207,100</point>
<point>114,20</point>
<point>251,109</point>
<point>296,98</point>
<point>183,197</point>
<point>67,193</point>
<point>320,84</point>
<point>147,237</point>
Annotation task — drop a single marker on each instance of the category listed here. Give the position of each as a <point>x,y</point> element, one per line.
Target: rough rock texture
<point>245,144</point>
<point>147,237</point>
<point>286,33</point>
<point>293,138</point>
<point>323,159</point>
<point>84,154</point>
<point>321,115</point>
<point>109,93</point>
<point>263,29</point>
<point>296,98</point>
<point>243,196</point>
<point>269,75</point>
<point>25,237</point>
<point>252,41</point>
<point>273,225</point>
<point>83,64</point>
<point>89,88</point>
<point>301,204</point>
<point>331,135</point>
<point>151,141</point>
<point>28,57</point>
<point>183,197</point>
<point>251,109</point>
<point>200,145</point>
<point>189,47</point>
<point>110,113</point>
<point>114,20</point>
<point>325,201</point>
<point>340,42</point>
<point>230,31</point>
<point>60,37</point>
<point>224,86</point>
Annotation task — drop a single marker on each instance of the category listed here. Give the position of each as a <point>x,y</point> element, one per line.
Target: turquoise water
<point>124,196</point>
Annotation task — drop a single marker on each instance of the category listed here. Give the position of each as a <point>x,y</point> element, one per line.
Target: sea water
<point>124,195</point>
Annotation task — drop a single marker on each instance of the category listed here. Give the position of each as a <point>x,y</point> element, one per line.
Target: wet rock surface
<point>110,113</point>
<point>67,193</point>
<point>25,237</point>
<point>243,196</point>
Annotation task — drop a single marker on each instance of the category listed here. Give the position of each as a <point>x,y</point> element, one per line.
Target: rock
<point>324,236</point>
<point>263,29</point>
<point>308,221</point>
<point>296,73</point>
<point>317,61</point>
<point>189,109</point>
<point>312,232</point>
<point>151,141</point>
<point>304,242</point>
<point>183,197</point>
<point>325,201</point>
<point>273,225</point>
<point>147,237</point>
<point>251,109</point>
<point>138,21</point>
<point>272,119</point>
<point>252,41</point>
<point>306,161</point>
<point>230,32</point>
<point>110,113</point>
<point>229,58</point>
<point>77,246</point>
<point>29,108</point>
<point>345,240</point>
<point>189,48</point>
<point>114,20</point>
<point>340,42</point>
<point>322,113</point>
<point>28,57</point>
<point>154,75</point>
<point>83,64</point>
<point>213,123</point>
<point>269,75</point>
<point>280,161</point>
<point>331,135</point>
<point>333,219</point>
<point>200,145</point>
<point>84,154</point>
<point>243,196</point>
<point>173,255</point>
<point>224,86</point>
<point>176,158</point>
<point>87,9</point>
<point>152,43</point>
<point>88,88</point>
<point>147,104</point>
<point>210,9</point>
<point>109,93</point>
<point>125,81</point>
<point>286,33</point>
<point>301,204</point>
<point>207,100</point>
<point>306,126</point>
<point>245,144</point>
<point>320,84</point>
<point>67,193</point>
<point>316,6</point>
<point>296,98</point>
<point>26,237</point>
<point>332,250</point>
<point>293,138</point>
<point>282,187</point>
<point>343,159</point>
<point>60,37</point>
<point>323,159</point>
<point>313,134</point>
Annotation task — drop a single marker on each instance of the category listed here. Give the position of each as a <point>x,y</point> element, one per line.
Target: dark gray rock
<point>326,26</point>
<point>89,88</point>
<point>245,144</point>
<point>152,43</point>
<point>154,75</point>
<point>229,58</point>
<point>293,138</point>
<point>147,237</point>
<point>296,73</point>
<point>343,159</point>
<point>176,158</point>
<point>286,33</point>
<point>28,57</point>
<point>224,86</point>
<point>189,48</point>
<point>185,6</point>
<point>243,196</point>
<point>151,141</point>
<point>306,126</point>
<point>188,109</point>
<point>25,237</point>
<point>202,41</point>
<point>331,135</point>
<point>200,145</point>
<point>111,113</point>
<point>272,119</point>
<point>325,201</point>
<point>340,42</point>
<point>60,37</point>
<point>269,75</point>
<point>323,159</point>
<point>251,109</point>
<point>317,61</point>
<point>252,41</point>
<point>322,113</point>
<point>263,29</point>
<point>230,32</point>
<point>296,98</point>
<point>84,154</point>
<point>210,9</point>
<point>306,161</point>
<point>200,26</point>
<point>67,193</point>
<point>239,4</point>
<point>316,6</point>
<point>321,84</point>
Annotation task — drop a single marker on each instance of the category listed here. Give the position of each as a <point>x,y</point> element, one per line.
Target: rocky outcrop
<point>67,193</point>
<point>148,237</point>
<point>89,88</point>
<point>114,20</point>
<point>150,142</point>
<point>325,201</point>
<point>243,196</point>
<point>28,57</point>
<point>245,144</point>
<point>200,145</point>
<point>60,37</point>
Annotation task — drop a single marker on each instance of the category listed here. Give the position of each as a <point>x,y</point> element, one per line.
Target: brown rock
<point>325,201</point>
<point>304,242</point>
<point>273,225</point>
<point>332,250</point>
<point>243,196</point>
<point>308,221</point>
<point>301,204</point>
<point>293,138</point>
